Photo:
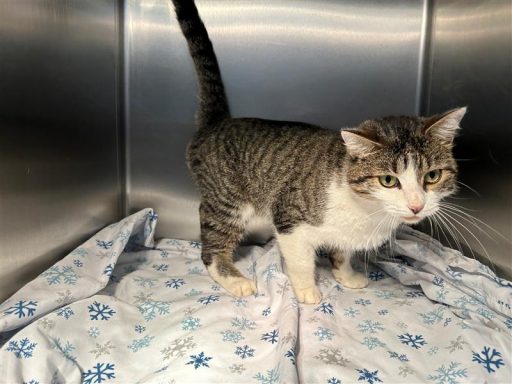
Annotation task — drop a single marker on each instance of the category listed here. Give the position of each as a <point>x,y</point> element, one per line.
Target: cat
<point>345,191</point>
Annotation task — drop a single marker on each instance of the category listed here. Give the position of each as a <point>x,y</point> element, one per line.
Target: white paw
<point>355,280</point>
<point>309,295</point>
<point>238,286</point>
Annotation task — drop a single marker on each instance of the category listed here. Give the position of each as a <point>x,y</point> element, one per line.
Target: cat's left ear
<point>358,144</point>
<point>445,126</point>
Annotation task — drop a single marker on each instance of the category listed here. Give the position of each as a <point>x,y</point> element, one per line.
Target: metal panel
<point>471,64</point>
<point>332,63</point>
<point>58,130</point>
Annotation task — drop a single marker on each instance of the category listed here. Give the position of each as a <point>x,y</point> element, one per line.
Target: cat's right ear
<point>357,144</point>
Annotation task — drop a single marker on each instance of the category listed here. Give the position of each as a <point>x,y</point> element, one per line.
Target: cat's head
<point>404,164</point>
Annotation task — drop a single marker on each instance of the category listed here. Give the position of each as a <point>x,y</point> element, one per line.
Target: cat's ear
<point>445,126</point>
<point>358,144</point>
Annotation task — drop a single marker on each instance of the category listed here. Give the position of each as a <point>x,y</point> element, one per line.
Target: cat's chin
<point>411,219</point>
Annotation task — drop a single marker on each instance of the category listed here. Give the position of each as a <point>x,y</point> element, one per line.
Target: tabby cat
<point>315,187</point>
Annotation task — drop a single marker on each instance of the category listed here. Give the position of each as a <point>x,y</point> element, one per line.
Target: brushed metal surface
<point>58,130</point>
<point>471,64</point>
<point>332,63</point>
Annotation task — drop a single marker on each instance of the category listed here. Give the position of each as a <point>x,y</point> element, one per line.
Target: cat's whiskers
<point>440,227</point>
<point>470,188</point>
<point>448,226</point>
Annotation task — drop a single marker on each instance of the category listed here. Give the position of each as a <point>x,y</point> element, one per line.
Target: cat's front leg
<point>299,257</point>
<point>343,271</point>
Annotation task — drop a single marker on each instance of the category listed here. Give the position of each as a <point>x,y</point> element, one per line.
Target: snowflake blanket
<point>123,308</point>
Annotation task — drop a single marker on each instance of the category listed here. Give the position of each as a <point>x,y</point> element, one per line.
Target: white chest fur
<point>351,222</point>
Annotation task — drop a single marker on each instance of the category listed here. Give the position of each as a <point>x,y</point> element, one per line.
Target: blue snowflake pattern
<point>438,281</point>
<point>291,355</point>
<point>22,348</point>
<point>22,308</point>
<point>243,324</point>
<point>108,270</point>
<point>370,326</point>
<point>195,244</point>
<point>104,244</point>
<point>54,275</point>
<point>190,323</point>
<point>376,276</point>
<point>161,267</point>
<point>199,360</point>
<point>152,216</point>
<point>433,317</point>
<point>271,377</point>
<point>369,377</point>
<point>144,282</point>
<point>65,312</point>
<point>503,282</point>
<point>383,312</point>
<point>333,380</point>
<point>448,375</point>
<point>99,373</point>
<point>351,312</point>
<point>98,311</point>
<point>372,343</point>
<point>414,294</point>
<point>491,360</point>
<point>239,302</point>
<point>150,308</point>
<point>175,283</point>
<point>232,336</point>
<point>394,355</point>
<point>272,337</point>
<point>415,341</point>
<point>455,275</point>
<point>323,334</point>
<point>508,323</point>
<point>208,299</point>
<point>94,332</point>
<point>326,308</point>
<point>270,271</point>
<point>33,381</point>
<point>138,344</point>
<point>78,263</point>
<point>362,302</point>
<point>139,328</point>
<point>244,352</point>
<point>266,312</point>
<point>65,349</point>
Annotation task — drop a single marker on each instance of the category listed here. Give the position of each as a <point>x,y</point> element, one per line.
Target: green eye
<point>433,177</point>
<point>388,181</point>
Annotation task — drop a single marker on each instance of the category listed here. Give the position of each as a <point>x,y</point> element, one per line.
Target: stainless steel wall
<point>59,168</point>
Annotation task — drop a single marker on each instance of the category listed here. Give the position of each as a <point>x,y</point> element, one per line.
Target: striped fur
<point>309,185</point>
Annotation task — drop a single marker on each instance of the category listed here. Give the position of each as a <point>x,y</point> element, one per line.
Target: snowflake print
<point>152,216</point>
<point>266,312</point>
<point>333,380</point>
<point>208,299</point>
<point>237,368</point>
<point>243,324</point>
<point>323,334</point>
<point>22,308</point>
<point>98,373</point>
<point>370,326</point>
<point>456,344</point>
<point>369,377</point>
<point>58,275</point>
<point>144,282</point>
<point>491,360</point>
<point>138,344</point>
<point>372,343</point>
<point>195,271</point>
<point>64,349</point>
<point>108,270</point>
<point>66,312</point>
<point>456,275</point>
<point>362,302</point>
<point>433,351</point>
<point>385,294</point>
<point>271,377</point>
<point>326,308</point>
<point>46,323</point>
<point>80,252</point>
<point>139,328</point>
<point>232,336</point>
<point>291,355</point>
<point>93,332</point>
<point>433,317</point>
<point>332,356</point>
<point>65,297</point>
<point>98,311</point>
<point>178,347</point>
<point>175,283</point>
<point>199,360</point>
<point>272,337</point>
<point>161,267</point>
<point>78,263</point>
<point>190,323</point>
<point>104,244</point>
<point>414,294</point>
<point>402,358</point>
<point>405,371</point>
<point>195,244</point>
<point>239,302</point>
<point>151,308</point>
<point>270,271</point>
<point>448,375</point>
<point>22,348</point>
<point>376,276</point>
<point>244,352</point>
<point>351,312</point>
<point>383,312</point>
<point>438,281</point>
<point>415,341</point>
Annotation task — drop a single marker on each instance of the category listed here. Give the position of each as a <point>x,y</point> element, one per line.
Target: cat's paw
<point>355,280</point>
<point>309,295</point>
<point>239,286</point>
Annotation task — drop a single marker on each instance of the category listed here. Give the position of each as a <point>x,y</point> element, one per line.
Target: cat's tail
<point>213,104</point>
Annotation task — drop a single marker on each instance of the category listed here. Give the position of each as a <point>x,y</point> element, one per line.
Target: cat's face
<point>404,164</point>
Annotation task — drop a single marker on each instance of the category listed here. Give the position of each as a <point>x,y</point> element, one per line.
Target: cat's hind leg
<point>343,271</point>
<point>221,230</point>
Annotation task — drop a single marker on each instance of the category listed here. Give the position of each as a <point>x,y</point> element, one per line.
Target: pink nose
<point>415,208</point>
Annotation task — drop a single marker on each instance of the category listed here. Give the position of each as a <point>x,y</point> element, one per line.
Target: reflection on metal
<point>58,131</point>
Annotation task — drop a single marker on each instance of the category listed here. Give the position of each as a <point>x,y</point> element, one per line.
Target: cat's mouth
<point>411,219</point>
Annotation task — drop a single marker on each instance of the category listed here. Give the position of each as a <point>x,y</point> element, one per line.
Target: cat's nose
<point>415,208</point>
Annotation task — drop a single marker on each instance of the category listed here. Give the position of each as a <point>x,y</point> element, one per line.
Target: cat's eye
<point>433,177</point>
<point>388,181</point>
